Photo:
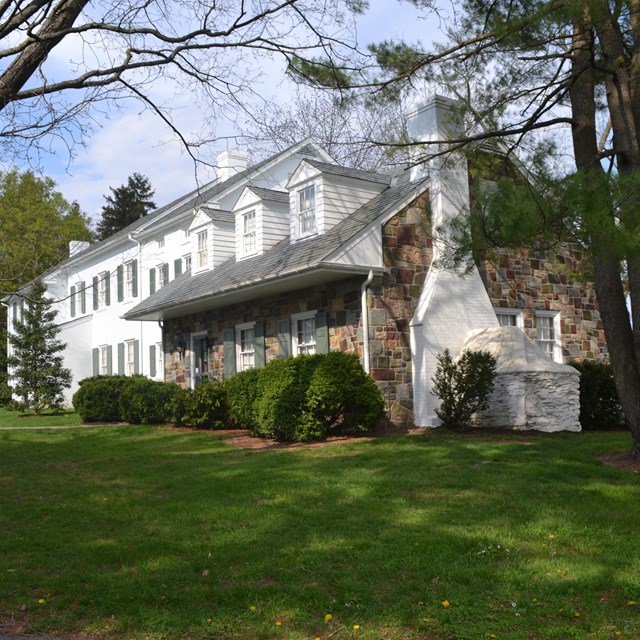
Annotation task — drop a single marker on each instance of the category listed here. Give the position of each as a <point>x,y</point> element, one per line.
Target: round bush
<point>143,401</point>
<point>207,406</point>
<point>98,398</point>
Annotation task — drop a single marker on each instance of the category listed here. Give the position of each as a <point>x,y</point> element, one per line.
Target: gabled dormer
<point>322,194</point>
<point>211,232</point>
<point>261,220</point>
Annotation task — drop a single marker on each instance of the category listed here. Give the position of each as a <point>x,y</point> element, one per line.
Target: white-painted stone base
<point>531,391</point>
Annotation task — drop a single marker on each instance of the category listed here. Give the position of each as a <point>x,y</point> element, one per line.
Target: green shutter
<point>258,345</point>
<point>152,360</point>
<point>95,292</point>
<point>152,281</point>
<point>96,361</point>
<point>72,301</point>
<point>83,297</point>
<point>107,289</point>
<point>109,360</point>
<point>134,279</point>
<point>165,273</point>
<point>120,286</point>
<point>284,337</point>
<point>322,333</point>
<point>121,358</point>
<point>177,267</point>
<point>136,356</point>
<point>229,353</point>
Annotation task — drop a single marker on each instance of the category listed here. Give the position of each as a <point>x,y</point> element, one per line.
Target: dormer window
<point>307,211</point>
<point>249,232</point>
<point>202,256</point>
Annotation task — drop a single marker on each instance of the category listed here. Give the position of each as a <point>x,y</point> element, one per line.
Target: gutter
<point>365,321</point>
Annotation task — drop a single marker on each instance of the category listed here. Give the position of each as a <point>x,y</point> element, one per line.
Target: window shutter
<point>134,278</point>
<point>165,273</point>
<point>121,358</point>
<point>177,267</point>
<point>109,360</point>
<point>120,286</point>
<point>284,337</point>
<point>83,297</point>
<point>322,333</point>
<point>72,301</point>
<point>95,292</point>
<point>152,281</point>
<point>96,361</point>
<point>107,289</point>
<point>152,360</point>
<point>136,356</point>
<point>258,344</point>
<point>229,353</point>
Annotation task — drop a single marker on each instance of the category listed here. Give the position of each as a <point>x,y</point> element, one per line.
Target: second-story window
<point>163,275</point>
<point>307,211</point>
<point>248,233</point>
<point>202,254</point>
<point>128,279</point>
<point>186,262</point>
<point>102,289</point>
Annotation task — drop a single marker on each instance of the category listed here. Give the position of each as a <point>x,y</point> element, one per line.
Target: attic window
<point>307,211</point>
<point>249,233</point>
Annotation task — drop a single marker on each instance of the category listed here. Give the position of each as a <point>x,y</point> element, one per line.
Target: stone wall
<point>531,280</point>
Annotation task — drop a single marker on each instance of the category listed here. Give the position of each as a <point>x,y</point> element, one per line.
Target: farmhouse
<point>297,254</point>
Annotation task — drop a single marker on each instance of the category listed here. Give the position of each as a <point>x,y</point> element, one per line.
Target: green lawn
<point>147,532</point>
<point>18,419</point>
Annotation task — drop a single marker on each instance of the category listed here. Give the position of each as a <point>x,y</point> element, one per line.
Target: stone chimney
<point>76,246</point>
<point>230,163</point>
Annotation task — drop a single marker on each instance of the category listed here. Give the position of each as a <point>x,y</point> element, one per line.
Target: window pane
<point>507,319</point>
<point>247,349</point>
<point>249,232</point>
<point>202,249</point>
<point>307,210</point>
<point>306,333</point>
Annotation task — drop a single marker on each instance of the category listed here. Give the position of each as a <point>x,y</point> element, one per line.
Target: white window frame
<point>307,215</point>
<point>78,297</point>
<point>186,263</point>
<point>128,279</point>
<point>103,363</point>
<point>515,314</point>
<point>102,289</point>
<point>160,277</point>
<point>245,357</point>
<point>202,255</point>
<point>297,327</point>
<point>249,232</point>
<point>552,346</point>
<point>159,361</point>
<point>129,357</point>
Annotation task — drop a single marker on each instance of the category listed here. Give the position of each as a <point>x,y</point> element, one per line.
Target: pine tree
<point>127,204</point>
<point>38,377</point>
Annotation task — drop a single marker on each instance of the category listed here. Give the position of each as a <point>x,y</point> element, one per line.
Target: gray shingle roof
<point>218,214</point>
<point>270,194</point>
<point>347,172</point>
<point>283,259</point>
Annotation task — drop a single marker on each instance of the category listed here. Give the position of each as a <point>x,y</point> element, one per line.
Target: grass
<point>148,532</point>
<point>15,419</point>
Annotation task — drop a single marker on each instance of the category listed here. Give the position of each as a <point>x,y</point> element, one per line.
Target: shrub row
<point>294,399</point>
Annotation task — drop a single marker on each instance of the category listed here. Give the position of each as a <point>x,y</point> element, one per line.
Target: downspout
<point>365,321</point>
<point>139,276</point>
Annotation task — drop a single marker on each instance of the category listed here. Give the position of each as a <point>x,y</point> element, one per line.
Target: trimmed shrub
<point>242,391</point>
<point>600,406</point>
<point>207,406</point>
<point>340,397</point>
<point>144,401</point>
<point>176,403</point>
<point>98,398</point>
<point>463,385</point>
<point>282,389</point>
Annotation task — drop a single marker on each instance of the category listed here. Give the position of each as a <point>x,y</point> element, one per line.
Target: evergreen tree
<point>38,375</point>
<point>128,203</point>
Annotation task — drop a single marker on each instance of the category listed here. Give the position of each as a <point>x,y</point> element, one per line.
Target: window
<point>104,360</point>
<point>202,255</point>
<point>245,340</point>
<point>159,361</point>
<point>304,333</point>
<point>130,358</point>
<point>161,243</point>
<point>163,275</point>
<point>186,262</point>
<point>509,318</point>
<point>548,334</point>
<point>102,288</point>
<point>129,275</point>
<point>307,211</point>
<point>248,233</point>
<point>80,305</point>
<point>15,311</point>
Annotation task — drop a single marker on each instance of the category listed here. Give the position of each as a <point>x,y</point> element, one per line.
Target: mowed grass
<point>17,419</point>
<point>148,532</point>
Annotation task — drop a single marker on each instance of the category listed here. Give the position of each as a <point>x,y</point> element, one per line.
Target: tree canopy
<point>126,204</point>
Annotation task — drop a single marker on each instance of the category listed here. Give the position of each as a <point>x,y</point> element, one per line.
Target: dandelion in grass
<point>631,603</point>
<point>356,627</point>
<point>552,536</point>
<point>41,601</point>
<point>209,620</point>
<point>445,603</point>
<point>327,617</point>
<point>576,614</point>
<point>252,607</point>
<point>278,623</point>
<point>491,635</point>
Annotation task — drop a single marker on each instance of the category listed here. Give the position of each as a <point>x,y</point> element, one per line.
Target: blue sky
<point>134,140</point>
